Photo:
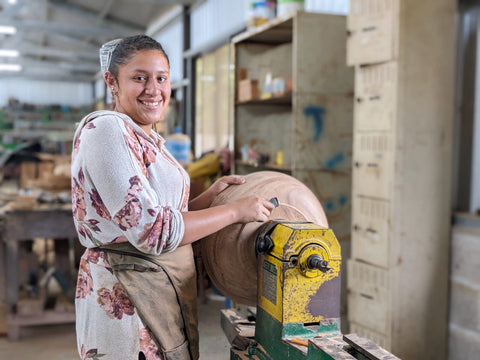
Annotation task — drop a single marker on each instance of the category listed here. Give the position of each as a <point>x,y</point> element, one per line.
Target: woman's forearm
<point>202,201</point>
<point>201,223</point>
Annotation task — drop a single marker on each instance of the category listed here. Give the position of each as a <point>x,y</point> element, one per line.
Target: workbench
<point>53,221</point>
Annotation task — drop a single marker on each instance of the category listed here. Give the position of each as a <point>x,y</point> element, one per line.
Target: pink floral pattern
<point>115,302</point>
<point>153,232</point>
<point>79,207</point>
<point>90,354</point>
<point>98,204</point>
<point>129,216</point>
<point>78,199</point>
<point>148,346</point>
<point>143,150</point>
<point>84,280</point>
<point>76,142</point>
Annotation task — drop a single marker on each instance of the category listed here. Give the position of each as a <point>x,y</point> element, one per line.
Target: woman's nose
<point>152,87</point>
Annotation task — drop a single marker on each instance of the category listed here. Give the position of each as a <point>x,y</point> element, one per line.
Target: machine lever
<point>316,262</point>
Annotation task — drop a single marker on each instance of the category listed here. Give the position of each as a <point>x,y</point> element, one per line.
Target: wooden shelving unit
<point>311,124</point>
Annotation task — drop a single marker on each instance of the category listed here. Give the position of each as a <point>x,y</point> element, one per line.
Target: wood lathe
<point>298,309</point>
<point>295,286</point>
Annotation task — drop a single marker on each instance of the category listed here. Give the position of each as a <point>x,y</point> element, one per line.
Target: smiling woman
<point>142,88</point>
<point>136,288</point>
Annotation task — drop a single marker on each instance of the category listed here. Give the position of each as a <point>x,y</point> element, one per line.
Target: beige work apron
<point>163,290</point>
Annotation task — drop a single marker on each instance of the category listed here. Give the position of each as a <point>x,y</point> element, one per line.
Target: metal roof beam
<point>85,67</point>
<point>122,28</point>
<point>65,28</point>
<point>33,50</point>
<point>42,76</point>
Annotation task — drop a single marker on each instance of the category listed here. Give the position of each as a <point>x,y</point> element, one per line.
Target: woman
<point>132,212</point>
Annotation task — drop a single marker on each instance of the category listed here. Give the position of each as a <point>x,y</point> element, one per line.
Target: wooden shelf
<point>47,317</point>
<point>285,99</point>
<point>276,31</point>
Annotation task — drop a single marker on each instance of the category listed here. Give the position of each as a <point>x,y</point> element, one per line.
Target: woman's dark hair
<point>131,45</point>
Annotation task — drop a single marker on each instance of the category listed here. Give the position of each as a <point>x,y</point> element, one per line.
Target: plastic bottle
<point>260,12</point>
<point>286,7</point>
<point>179,145</point>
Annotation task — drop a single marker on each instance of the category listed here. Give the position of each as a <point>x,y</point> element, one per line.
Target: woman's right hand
<point>252,208</point>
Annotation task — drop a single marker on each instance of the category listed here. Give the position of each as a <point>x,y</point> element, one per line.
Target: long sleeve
<point>131,188</point>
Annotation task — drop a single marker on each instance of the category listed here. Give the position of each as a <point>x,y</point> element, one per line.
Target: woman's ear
<point>109,80</point>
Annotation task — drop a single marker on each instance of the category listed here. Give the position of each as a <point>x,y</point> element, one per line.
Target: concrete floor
<point>57,342</point>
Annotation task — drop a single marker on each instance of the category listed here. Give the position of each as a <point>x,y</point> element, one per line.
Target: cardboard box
<point>247,90</point>
<point>242,73</point>
<point>28,172</point>
<point>52,172</point>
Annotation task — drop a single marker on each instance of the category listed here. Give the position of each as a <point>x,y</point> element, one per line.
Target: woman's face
<point>143,88</point>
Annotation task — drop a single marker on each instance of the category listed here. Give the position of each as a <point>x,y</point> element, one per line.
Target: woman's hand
<point>224,182</point>
<point>252,208</point>
<point>204,200</point>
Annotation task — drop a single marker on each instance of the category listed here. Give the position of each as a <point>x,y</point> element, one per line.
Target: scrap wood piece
<point>22,202</point>
<point>238,330</point>
<point>331,348</point>
<point>368,348</point>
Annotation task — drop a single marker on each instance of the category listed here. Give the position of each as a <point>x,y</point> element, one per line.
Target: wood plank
<point>368,348</point>
<point>330,348</point>
<point>25,225</point>
<point>47,317</point>
<point>238,330</point>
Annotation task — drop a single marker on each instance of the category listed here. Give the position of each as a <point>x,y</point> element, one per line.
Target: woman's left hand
<point>205,199</point>
<point>224,182</point>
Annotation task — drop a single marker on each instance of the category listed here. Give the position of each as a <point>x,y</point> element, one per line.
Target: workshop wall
<point>171,38</point>
<point>327,6</point>
<point>217,18</point>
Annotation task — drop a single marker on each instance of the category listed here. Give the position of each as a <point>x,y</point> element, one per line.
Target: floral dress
<point>125,187</point>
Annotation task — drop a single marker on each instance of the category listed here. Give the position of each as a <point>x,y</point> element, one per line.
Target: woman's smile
<point>144,88</point>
